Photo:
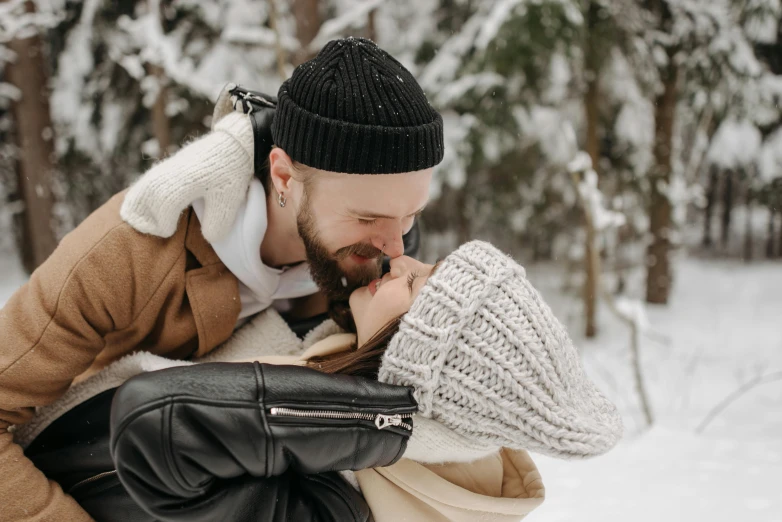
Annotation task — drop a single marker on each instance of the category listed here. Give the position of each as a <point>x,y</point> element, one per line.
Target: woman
<point>492,371</point>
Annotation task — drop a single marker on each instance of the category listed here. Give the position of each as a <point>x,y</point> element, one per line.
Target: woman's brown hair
<point>364,360</point>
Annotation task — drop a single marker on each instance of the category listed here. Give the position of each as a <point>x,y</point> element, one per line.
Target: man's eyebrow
<point>375,215</point>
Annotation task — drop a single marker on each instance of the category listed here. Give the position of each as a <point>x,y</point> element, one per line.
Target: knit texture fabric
<point>355,109</point>
<point>489,360</point>
<point>433,443</point>
<point>217,167</point>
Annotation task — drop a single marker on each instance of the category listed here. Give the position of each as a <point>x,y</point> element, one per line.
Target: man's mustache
<point>359,249</point>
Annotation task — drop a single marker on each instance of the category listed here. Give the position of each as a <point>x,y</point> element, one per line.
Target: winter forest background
<point>628,152</point>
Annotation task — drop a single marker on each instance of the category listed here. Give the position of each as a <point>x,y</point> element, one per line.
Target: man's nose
<point>390,240</point>
<point>395,247</point>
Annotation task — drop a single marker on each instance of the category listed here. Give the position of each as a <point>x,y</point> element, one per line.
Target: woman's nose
<point>400,266</point>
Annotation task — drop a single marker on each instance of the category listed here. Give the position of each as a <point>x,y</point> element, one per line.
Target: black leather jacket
<point>254,442</point>
<point>199,443</point>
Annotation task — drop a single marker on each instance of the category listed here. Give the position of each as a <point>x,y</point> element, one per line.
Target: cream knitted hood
<point>491,363</point>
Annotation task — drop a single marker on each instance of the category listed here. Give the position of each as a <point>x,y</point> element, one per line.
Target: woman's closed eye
<point>367,221</point>
<point>410,280</point>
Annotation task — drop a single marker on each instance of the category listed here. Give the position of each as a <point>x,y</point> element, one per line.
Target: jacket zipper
<point>381,421</point>
<point>89,480</point>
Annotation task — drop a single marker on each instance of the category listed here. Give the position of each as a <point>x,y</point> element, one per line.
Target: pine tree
<point>27,73</point>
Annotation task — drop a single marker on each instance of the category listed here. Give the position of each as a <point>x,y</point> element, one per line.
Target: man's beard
<point>324,267</point>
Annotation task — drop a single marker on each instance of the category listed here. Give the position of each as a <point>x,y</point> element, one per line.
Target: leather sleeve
<point>200,443</point>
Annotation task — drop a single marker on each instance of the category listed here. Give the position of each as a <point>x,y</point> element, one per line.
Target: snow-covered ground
<point>722,329</point>
<point>668,475</point>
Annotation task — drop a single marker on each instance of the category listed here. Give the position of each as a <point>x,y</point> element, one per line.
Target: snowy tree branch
<point>732,397</point>
<point>259,36</point>
<point>17,23</point>
<point>356,17</point>
<point>10,92</point>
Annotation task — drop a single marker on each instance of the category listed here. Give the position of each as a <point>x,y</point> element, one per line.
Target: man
<point>356,142</point>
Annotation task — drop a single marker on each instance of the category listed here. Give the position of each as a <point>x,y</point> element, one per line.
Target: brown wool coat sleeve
<point>89,298</point>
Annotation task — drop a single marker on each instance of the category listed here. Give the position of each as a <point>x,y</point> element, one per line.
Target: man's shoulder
<point>105,218</point>
<point>105,232</point>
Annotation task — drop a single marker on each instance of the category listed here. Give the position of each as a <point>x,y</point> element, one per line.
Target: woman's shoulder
<point>334,343</point>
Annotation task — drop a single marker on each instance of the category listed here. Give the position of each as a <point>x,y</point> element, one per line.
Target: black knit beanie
<point>355,109</point>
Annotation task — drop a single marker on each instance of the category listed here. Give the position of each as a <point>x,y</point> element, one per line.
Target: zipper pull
<point>384,421</point>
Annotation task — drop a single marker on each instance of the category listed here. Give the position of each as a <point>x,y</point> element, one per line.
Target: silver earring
<point>281,200</point>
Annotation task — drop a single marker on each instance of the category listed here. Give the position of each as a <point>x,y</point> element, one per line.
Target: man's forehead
<point>376,195</point>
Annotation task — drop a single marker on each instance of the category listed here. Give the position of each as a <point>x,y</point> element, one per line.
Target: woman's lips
<point>372,286</point>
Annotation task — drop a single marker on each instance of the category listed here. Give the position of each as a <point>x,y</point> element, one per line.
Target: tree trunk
<point>592,282</point>
<point>591,252</point>
<point>273,22</point>
<point>748,239</point>
<point>727,208</point>
<point>591,107</point>
<point>308,22</point>
<point>462,218</point>
<point>779,249</point>
<point>35,139</point>
<point>770,238</point>
<point>711,195</point>
<point>658,275</point>
<point>161,126</point>
<point>371,29</point>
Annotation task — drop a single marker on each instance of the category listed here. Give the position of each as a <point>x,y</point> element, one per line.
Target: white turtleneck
<point>240,251</point>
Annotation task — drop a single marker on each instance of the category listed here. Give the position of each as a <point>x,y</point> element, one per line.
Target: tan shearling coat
<point>106,291</point>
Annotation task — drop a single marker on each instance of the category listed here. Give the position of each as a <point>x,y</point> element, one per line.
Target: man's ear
<point>280,170</point>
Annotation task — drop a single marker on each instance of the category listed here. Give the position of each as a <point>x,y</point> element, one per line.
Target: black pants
<point>74,452</point>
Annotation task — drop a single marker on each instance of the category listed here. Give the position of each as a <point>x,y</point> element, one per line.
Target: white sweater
<point>214,174</point>
<point>217,168</point>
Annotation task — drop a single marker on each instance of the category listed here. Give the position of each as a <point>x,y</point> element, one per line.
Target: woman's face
<point>375,305</point>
